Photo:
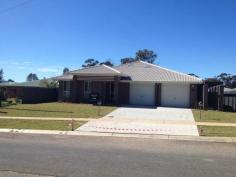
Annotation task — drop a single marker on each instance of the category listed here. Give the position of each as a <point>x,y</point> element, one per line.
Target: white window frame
<point>66,89</point>
<point>88,91</point>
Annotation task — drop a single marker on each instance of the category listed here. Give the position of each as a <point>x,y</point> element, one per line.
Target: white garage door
<point>175,95</point>
<point>142,94</point>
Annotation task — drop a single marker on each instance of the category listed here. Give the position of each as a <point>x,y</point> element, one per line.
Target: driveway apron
<point>152,121</point>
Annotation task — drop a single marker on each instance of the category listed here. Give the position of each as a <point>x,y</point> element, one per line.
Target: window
<point>87,88</point>
<point>66,88</point>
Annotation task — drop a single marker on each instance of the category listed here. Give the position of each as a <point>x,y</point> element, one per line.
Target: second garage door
<point>142,94</point>
<point>175,95</point>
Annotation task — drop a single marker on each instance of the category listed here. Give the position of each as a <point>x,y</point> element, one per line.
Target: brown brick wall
<point>124,89</point>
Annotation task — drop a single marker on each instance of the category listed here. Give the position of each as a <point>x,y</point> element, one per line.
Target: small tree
<point>90,62</point>
<point>1,75</point>
<point>108,63</point>
<point>146,55</point>
<point>194,75</point>
<point>65,70</point>
<point>48,83</point>
<point>32,77</point>
<point>10,80</point>
<point>127,60</point>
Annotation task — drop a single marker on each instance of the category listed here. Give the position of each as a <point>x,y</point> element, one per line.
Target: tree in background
<point>127,60</point>
<point>65,70</point>
<point>90,62</point>
<point>143,55</point>
<point>1,75</point>
<point>49,83</point>
<point>108,63</point>
<point>10,80</point>
<point>194,75</point>
<point>146,55</point>
<point>228,80</point>
<point>32,77</point>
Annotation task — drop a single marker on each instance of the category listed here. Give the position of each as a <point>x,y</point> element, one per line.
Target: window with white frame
<point>87,88</point>
<point>66,89</point>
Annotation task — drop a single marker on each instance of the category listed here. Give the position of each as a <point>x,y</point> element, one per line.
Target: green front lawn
<point>67,110</point>
<point>218,131</point>
<point>214,116</point>
<point>38,124</point>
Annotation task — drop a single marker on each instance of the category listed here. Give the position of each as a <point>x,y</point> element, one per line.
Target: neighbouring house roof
<point>101,70</point>
<point>66,77</point>
<point>143,71</point>
<point>36,83</point>
<point>229,90</point>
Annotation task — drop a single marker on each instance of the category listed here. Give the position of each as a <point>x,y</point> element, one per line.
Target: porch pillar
<point>116,90</point>
<point>193,96</point>
<point>157,94</point>
<point>205,96</point>
<point>220,98</point>
<point>60,91</point>
<point>74,90</point>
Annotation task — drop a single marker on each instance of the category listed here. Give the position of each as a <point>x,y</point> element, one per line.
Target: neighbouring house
<point>29,92</point>
<point>230,91</point>
<point>230,99</point>
<point>136,83</point>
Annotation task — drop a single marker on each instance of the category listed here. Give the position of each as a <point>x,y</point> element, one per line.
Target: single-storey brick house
<point>136,83</point>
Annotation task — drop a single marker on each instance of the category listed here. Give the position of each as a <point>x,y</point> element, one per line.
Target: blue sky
<point>44,36</point>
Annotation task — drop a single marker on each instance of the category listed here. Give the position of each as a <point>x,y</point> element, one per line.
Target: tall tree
<point>1,75</point>
<point>32,77</point>
<point>146,55</point>
<point>108,63</point>
<point>90,62</point>
<point>127,60</point>
<point>65,70</point>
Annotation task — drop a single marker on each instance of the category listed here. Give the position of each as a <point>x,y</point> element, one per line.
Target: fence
<point>216,97</point>
<point>32,94</point>
<point>229,102</point>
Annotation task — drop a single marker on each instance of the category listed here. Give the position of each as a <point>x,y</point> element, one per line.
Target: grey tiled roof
<point>96,71</point>
<point>137,71</point>
<point>66,77</point>
<point>35,83</point>
<point>142,71</point>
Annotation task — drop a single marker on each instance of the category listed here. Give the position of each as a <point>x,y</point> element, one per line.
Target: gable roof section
<point>143,71</point>
<point>101,70</point>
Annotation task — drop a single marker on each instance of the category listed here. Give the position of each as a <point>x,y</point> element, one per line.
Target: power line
<point>15,6</point>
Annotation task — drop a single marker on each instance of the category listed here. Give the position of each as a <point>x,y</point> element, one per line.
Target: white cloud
<point>48,70</point>
<point>20,67</point>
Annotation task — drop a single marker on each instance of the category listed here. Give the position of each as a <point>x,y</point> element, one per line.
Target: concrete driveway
<point>161,120</point>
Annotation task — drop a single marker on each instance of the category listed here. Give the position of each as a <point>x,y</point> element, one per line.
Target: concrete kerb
<point>162,137</point>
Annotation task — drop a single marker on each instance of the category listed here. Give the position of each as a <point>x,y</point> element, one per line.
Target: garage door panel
<point>142,94</point>
<point>175,95</point>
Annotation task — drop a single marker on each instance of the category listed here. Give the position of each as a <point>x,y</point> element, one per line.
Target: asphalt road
<point>74,156</point>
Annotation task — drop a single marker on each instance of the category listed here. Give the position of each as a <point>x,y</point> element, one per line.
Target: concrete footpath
<point>46,118</point>
<point>163,137</point>
<point>154,121</point>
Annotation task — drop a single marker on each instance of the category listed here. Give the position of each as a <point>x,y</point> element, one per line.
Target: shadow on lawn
<point>1,112</point>
<point>37,110</point>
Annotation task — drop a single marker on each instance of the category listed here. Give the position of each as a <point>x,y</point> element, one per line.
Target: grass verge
<point>218,131</point>
<point>38,124</point>
<point>64,110</point>
<point>214,116</point>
